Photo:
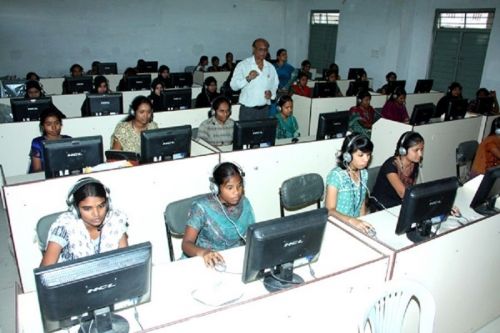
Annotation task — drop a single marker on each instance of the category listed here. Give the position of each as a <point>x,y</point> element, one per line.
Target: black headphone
<point>216,103</point>
<point>346,155</point>
<point>402,148</point>
<point>70,200</point>
<point>214,187</point>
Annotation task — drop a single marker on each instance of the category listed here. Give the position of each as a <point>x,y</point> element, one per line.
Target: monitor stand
<point>421,232</point>
<point>283,279</point>
<point>104,321</point>
<point>488,208</point>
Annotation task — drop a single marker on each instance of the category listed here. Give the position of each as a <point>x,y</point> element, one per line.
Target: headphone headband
<point>401,149</point>
<point>346,156</point>
<point>214,187</point>
<point>70,200</point>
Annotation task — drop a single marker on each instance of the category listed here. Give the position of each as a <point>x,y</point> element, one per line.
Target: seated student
<point>76,71</point>
<point>484,93</point>
<point>362,76</point>
<point>100,86</point>
<point>362,116</point>
<point>139,67</point>
<point>208,93</point>
<point>391,76</point>
<point>488,152</point>
<point>33,90</point>
<point>335,69</point>
<point>94,68</point>
<point>394,108</point>
<point>202,64</point>
<point>218,129</point>
<point>454,92</point>
<point>398,172</point>
<point>287,123</point>
<point>219,220</point>
<point>301,88</point>
<point>284,71</point>
<point>32,76</point>
<point>90,226</point>
<point>345,196</point>
<point>122,85</point>
<point>215,65</point>
<point>164,77</point>
<point>155,96</point>
<point>127,134</point>
<point>305,67</point>
<point>331,76</point>
<point>50,127</point>
<point>229,65</point>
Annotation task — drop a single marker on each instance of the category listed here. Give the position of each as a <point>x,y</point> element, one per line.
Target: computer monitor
<point>71,156</point>
<point>103,105</point>
<point>487,193</point>
<point>107,68</point>
<point>176,99</point>
<point>484,105</point>
<point>426,204</point>
<point>356,86</point>
<point>78,85</point>
<point>149,67</point>
<point>423,86</point>
<point>325,89</point>
<point>332,125</point>
<point>355,73</point>
<point>181,80</point>
<point>139,82</point>
<point>457,109</point>
<point>29,109</point>
<point>164,144</point>
<point>392,85</point>
<point>422,113</point>
<point>87,290</point>
<point>273,246</point>
<point>254,133</point>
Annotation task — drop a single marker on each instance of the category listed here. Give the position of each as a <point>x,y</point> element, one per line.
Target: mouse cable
<point>136,314</point>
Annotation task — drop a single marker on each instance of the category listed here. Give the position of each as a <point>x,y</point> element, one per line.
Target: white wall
<point>49,36</point>
<point>383,35</point>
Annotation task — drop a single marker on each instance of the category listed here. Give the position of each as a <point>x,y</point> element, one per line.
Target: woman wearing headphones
<point>362,116</point>
<point>398,172</point>
<point>208,93</point>
<point>90,225</point>
<point>394,108</point>
<point>50,126</point>
<point>101,86</point>
<point>218,129</point>
<point>219,220</point>
<point>127,134</point>
<point>488,152</point>
<point>288,127</point>
<point>346,184</point>
<point>155,97</point>
<point>454,93</point>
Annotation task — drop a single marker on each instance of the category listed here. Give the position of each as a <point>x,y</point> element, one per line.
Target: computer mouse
<point>220,266</point>
<point>371,232</point>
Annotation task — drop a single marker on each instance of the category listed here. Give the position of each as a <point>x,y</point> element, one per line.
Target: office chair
<point>301,191</point>
<point>388,305</point>
<point>465,153</point>
<point>175,215</point>
<point>42,229</point>
<point>372,177</point>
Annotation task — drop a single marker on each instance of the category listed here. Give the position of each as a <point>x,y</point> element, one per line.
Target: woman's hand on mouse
<point>211,258</point>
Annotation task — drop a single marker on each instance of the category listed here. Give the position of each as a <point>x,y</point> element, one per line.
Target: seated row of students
<point>219,220</point>
<point>202,65</point>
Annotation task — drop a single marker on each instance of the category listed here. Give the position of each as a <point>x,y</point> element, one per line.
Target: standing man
<point>258,82</point>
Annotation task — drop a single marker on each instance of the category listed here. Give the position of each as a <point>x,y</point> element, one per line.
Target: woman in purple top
<point>394,108</point>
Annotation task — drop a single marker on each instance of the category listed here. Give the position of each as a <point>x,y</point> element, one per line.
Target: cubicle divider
<point>385,135</point>
<point>142,192</point>
<point>413,99</point>
<point>17,136</point>
<point>302,112</point>
<point>266,168</point>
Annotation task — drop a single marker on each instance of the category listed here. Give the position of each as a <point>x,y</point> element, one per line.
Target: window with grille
<point>465,20</point>
<point>331,18</point>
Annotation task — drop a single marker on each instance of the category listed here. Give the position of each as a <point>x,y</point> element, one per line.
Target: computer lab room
<point>263,165</point>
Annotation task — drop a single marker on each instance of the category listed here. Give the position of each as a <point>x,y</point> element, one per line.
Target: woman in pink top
<point>394,108</point>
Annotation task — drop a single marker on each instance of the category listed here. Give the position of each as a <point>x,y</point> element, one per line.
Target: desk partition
<point>460,266</point>
<point>345,271</point>
<point>385,135</point>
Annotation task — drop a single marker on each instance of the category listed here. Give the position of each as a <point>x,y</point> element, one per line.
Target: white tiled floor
<point>9,277</point>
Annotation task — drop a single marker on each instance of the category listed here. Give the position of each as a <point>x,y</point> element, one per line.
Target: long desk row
<point>350,267</point>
